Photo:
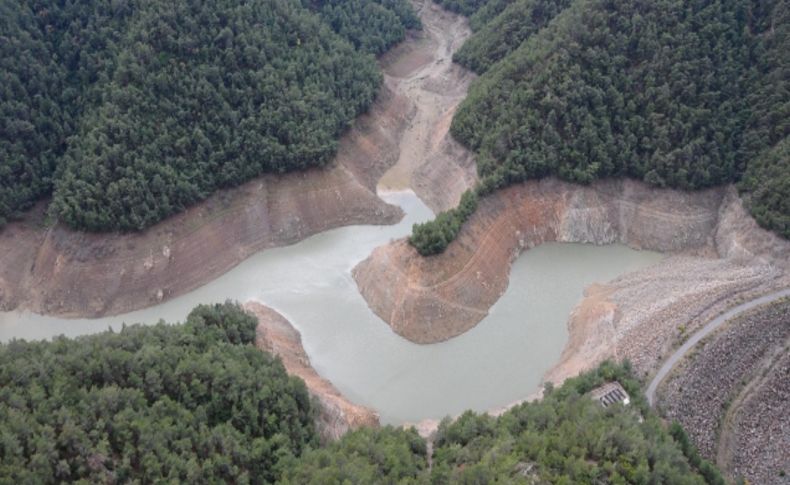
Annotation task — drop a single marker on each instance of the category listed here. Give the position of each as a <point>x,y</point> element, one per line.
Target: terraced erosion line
<point>702,333</point>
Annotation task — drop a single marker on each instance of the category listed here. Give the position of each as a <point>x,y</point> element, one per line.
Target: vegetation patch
<point>199,403</point>
<point>566,438</point>
<point>127,112</point>
<point>194,403</point>
<point>677,94</point>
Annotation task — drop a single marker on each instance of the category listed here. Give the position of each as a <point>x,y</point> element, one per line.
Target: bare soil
<point>421,70</point>
<point>718,254</point>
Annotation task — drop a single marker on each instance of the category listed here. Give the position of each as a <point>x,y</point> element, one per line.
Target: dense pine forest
<point>128,111</point>
<point>195,403</point>
<point>678,94</point>
<point>566,438</point>
<point>198,403</point>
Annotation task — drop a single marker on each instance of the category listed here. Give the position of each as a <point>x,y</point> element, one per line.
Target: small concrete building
<point>610,393</point>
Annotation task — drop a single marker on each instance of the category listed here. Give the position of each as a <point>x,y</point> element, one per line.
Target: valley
<point>546,280</point>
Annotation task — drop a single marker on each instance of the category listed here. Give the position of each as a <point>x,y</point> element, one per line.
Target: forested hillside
<point>127,112</point>
<point>678,94</point>
<point>504,32</point>
<point>191,403</point>
<point>566,438</point>
<point>198,403</point>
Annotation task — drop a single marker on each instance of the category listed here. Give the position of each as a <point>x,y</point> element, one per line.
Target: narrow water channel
<point>499,361</point>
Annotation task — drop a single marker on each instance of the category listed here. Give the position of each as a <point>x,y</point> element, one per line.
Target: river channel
<point>499,361</point>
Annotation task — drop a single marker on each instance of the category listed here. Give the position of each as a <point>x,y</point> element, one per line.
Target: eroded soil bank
<point>717,255</point>
<point>430,162</point>
<point>57,271</point>
<point>336,415</point>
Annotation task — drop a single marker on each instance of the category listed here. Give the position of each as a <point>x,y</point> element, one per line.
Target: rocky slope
<point>336,415</point>
<point>62,272</point>
<point>746,404</point>
<point>761,430</point>
<point>718,252</point>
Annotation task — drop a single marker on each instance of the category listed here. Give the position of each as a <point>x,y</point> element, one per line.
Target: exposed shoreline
<point>61,272</point>
<point>336,414</point>
<point>717,256</point>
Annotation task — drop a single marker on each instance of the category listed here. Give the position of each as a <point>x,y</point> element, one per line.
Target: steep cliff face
<point>432,299</point>
<point>62,272</point>
<point>336,415</point>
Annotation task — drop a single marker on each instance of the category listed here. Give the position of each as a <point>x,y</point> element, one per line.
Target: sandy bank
<point>56,271</point>
<point>717,255</point>
<point>336,414</point>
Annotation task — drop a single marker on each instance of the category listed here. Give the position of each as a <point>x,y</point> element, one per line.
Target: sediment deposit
<point>739,417</point>
<point>430,161</point>
<point>717,255</point>
<point>336,415</point>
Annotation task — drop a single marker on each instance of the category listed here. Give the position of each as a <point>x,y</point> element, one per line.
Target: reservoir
<point>499,361</point>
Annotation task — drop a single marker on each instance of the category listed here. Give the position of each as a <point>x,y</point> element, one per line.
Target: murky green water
<point>499,361</point>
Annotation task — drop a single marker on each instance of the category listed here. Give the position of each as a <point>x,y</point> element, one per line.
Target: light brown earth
<point>56,271</point>
<point>430,162</point>
<point>336,415</point>
<point>717,255</point>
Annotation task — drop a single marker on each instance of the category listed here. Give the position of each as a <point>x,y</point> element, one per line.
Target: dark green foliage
<point>675,93</point>
<point>195,403</point>
<point>387,455</point>
<point>465,7</point>
<point>566,438</point>
<point>33,125</point>
<point>505,32</point>
<point>708,470</point>
<point>651,90</point>
<point>432,237</point>
<point>767,177</point>
<point>134,110</point>
<point>767,180</point>
<point>371,25</point>
<point>486,13</point>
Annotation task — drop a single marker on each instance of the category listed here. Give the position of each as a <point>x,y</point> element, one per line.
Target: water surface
<point>499,361</point>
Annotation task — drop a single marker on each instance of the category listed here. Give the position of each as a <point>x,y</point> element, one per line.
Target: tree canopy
<point>129,111</point>
<point>198,403</point>
<point>195,403</point>
<point>678,94</point>
<point>565,438</point>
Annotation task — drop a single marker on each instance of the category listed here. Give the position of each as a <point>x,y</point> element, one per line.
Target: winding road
<point>702,333</point>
